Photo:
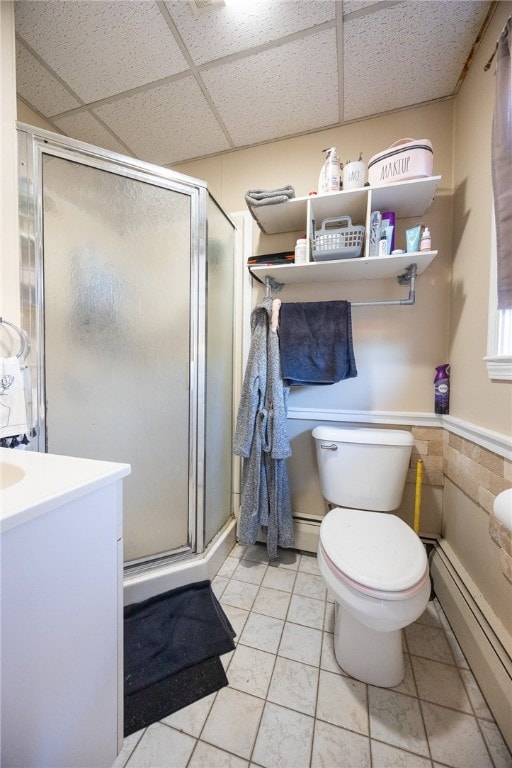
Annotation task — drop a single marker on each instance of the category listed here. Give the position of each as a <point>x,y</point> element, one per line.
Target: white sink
<point>503,508</point>
<point>10,474</point>
<point>32,483</point>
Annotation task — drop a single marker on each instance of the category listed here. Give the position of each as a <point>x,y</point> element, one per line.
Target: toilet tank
<point>363,468</point>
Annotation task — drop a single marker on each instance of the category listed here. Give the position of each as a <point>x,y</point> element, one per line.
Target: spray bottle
<point>329,180</point>
<point>442,389</point>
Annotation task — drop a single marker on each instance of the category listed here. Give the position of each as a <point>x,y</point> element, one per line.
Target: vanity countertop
<point>33,483</point>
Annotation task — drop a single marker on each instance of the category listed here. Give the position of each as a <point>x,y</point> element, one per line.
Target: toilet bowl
<point>373,563</point>
<point>378,589</point>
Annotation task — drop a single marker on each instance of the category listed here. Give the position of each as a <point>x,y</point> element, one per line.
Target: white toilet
<point>373,563</point>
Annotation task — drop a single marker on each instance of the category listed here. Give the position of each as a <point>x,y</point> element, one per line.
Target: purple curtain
<point>501,159</point>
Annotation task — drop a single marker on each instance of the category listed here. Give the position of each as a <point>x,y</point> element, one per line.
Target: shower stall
<point>127,293</point>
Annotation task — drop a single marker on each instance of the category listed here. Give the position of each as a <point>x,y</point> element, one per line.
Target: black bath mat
<point>164,637</point>
<point>172,693</point>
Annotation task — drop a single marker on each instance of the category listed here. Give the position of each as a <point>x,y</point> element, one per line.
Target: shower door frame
<point>33,143</point>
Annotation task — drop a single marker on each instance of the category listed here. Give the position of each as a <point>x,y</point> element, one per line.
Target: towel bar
<point>25,344</point>
<point>408,278</point>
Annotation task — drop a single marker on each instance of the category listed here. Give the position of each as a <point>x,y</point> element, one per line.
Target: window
<point>499,344</point>
<point>499,340</point>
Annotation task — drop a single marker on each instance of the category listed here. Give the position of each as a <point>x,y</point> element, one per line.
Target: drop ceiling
<point>172,81</point>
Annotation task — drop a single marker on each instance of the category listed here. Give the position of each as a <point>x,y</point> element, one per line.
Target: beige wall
<point>474,397</point>
<point>396,348</point>
<point>472,481</point>
<point>27,115</point>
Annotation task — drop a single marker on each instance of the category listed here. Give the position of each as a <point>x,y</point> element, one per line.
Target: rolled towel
<point>315,340</point>
<point>257,197</point>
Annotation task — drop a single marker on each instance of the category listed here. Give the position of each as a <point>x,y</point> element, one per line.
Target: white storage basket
<point>335,242</point>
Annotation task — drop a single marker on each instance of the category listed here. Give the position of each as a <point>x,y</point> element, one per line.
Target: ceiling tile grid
<point>166,124</point>
<point>38,87</point>
<point>173,85</point>
<point>90,130</point>
<point>237,27</point>
<point>407,65</point>
<point>100,48</point>
<point>283,91</point>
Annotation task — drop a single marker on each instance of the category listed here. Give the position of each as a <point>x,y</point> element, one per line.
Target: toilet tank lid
<point>363,435</point>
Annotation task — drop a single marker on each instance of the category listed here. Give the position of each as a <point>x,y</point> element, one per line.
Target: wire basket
<point>335,242</point>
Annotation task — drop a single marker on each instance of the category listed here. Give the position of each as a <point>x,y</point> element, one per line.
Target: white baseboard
<point>482,638</point>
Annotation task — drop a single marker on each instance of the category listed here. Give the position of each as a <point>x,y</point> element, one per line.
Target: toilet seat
<point>374,553</point>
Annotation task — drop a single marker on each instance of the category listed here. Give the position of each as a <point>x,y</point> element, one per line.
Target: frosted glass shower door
<point>117,309</point>
<point>219,369</point>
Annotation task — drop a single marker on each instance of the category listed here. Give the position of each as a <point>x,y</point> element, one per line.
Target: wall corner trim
<point>366,417</point>
<point>497,442</point>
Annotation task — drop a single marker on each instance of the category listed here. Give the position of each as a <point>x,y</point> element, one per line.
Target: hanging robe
<point>261,440</point>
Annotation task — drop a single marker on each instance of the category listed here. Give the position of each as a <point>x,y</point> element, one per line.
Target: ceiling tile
<point>233,28</point>
<point>417,49</point>
<point>84,127</point>
<point>100,48</point>
<point>166,124</point>
<point>283,91</point>
<point>38,87</point>
<point>350,6</point>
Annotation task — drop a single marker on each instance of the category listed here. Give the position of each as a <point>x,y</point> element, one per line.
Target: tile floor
<point>288,704</point>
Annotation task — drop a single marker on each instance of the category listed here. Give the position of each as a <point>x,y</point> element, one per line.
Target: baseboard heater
<point>484,641</point>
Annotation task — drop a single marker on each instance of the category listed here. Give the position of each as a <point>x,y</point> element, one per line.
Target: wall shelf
<point>364,268</point>
<point>406,198</point>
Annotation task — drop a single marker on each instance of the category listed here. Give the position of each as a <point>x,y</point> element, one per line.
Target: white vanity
<point>61,610</point>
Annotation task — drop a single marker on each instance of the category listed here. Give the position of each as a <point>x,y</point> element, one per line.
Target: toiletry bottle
<point>426,240</point>
<point>332,171</point>
<point>442,389</point>
<point>383,244</point>
<point>375,223</point>
<point>301,251</point>
<point>388,220</point>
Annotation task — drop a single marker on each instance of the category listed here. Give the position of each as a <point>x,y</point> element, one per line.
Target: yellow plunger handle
<point>417,500</point>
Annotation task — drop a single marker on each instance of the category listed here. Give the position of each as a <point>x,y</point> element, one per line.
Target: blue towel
<point>315,341</point>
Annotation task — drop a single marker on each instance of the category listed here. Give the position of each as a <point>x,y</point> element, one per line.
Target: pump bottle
<point>329,180</point>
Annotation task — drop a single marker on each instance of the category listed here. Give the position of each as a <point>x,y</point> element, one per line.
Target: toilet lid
<point>374,549</point>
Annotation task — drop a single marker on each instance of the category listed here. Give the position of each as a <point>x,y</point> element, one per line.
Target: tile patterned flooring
<point>289,705</point>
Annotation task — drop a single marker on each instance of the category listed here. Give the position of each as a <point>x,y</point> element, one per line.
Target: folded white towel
<point>13,410</point>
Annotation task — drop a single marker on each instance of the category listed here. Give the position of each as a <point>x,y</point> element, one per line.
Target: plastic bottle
<point>301,253</point>
<point>442,389</point>
<point>383,244</point>
<point>375,224</point>
<point>426,240</point>
<point>330,175</point>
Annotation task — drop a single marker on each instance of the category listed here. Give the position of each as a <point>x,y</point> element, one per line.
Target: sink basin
<point>503,508</point>
<point>10,474</point>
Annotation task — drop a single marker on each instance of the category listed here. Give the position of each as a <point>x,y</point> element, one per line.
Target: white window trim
<point>498,366</point>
